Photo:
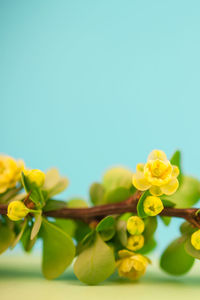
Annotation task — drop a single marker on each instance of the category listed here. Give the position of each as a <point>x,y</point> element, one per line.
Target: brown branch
<point>130,205</point>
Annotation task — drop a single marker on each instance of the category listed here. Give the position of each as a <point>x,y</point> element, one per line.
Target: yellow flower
<point>152,206</point>
<point>131,265</point>
<point>135,242</point>
<point>157,174</point>
<point>195,239</point>
<point>135,225</point>
<point>17,210</point>
<point>35,176</point>
<point>10,171</point>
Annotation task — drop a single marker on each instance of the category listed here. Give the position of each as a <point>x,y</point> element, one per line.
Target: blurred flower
<point>135,242</point>
<point>10,171</point>
<point>195,239</point>
<point>135,225</point>
<point>36,176</point>
<point>157,174</point>
<point>152,206</point>
<point>131,265</point>
<point>17,210</point>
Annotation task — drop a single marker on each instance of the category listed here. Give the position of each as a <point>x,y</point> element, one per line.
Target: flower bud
<point>152,206</point>
<point>135,242</point>
<point>135,225</point>
<point>36,176</point>
<point>195,239</point>
<point>17,210</point>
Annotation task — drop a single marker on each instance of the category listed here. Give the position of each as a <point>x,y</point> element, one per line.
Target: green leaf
<point>36,194</point>
<point>96,263</point>
<point>176,160</point>
<point>36,225</point>
<point>106,228</point>
<point>188,193</point>
<point>140,209</point>
<point>67,225</point>
<point>54,183</point>
<point>19,236</point>
<point>175,259</point>
<point>106,223</point>
<point>54,205</point>
<point>76,203</point>
<point>96,193</point>
<point>166,220</point>
<point>26,241</point>
<point>187,228</point>
<point>167,203</point>
<point>150,228</point>
<point>116,195</point>
<point>117,177</point>
<point>6,238</point>
<point>58,250</point>
<point>86,242</point>
<point>191,250</point>
<point>122,232</point>
<point>149,246</point>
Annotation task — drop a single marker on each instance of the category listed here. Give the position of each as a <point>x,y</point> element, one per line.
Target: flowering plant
<point>116,232</point>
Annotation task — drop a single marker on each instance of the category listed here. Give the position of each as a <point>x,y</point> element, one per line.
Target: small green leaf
<point>18,237</point>
<point>117,177</point>
<point>116,195</point>
<point>187,228</point>
<point>36,225</point>
<point>166,220</point>
<point>96,193</point>
<point>167,203</point>
<point>176,160</point>
<point>122,232</point>
<point>191,250</point>
<point>36,194</point>
<point>149,246</point>
<point>175,259</point>
<point>6,238</point>
<point>58,250</point>
<point>67,225</point>
<point>106,223</point>
<point>96,263</point>
<point>26,241</point>
<point>106,228</point>
<point>140,209</point>
<point>76,203</point>
<point>54,183</point>
<point>149,241</point>
<point>54,205</point>
<point>188,193</point>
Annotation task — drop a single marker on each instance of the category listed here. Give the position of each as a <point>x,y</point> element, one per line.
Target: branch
<point>130,205</point>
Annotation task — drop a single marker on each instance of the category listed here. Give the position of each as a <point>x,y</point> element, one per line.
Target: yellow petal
<point>171,187</point>
<point>140,182</point>
<point>157,154</point>
<point>126,265</point>
<point>175,171</point>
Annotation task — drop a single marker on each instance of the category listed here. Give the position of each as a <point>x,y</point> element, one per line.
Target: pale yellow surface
<point>21,278</point>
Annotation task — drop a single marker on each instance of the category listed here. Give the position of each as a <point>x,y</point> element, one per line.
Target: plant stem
<point>130,205</point>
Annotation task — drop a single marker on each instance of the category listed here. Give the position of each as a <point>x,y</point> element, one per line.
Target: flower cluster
<point>10,172</point>
<point>157,175</point>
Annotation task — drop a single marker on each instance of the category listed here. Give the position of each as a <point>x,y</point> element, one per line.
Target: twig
<point>130,205</point>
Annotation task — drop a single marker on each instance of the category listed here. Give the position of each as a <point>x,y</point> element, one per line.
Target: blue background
<point>85,85</point>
